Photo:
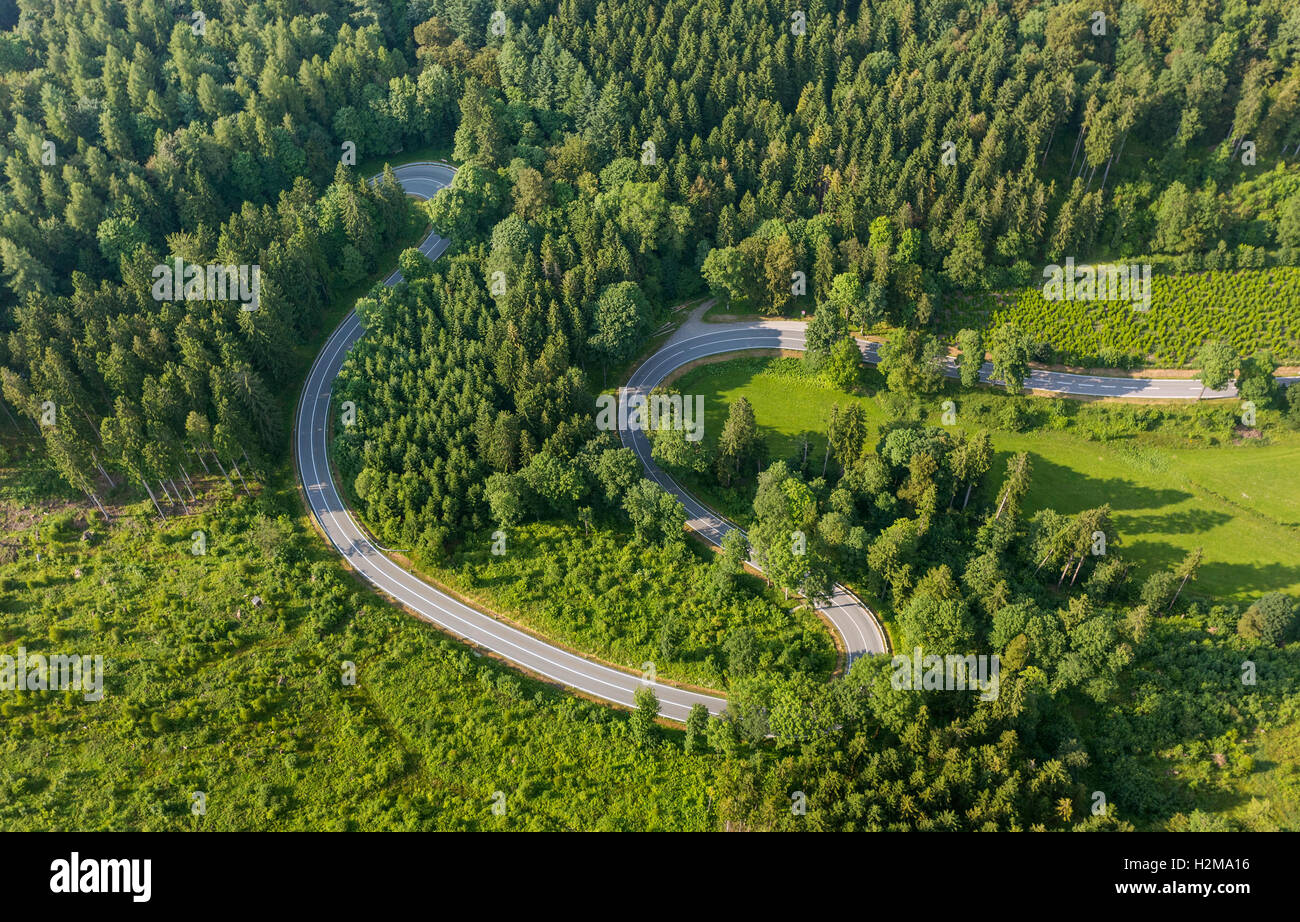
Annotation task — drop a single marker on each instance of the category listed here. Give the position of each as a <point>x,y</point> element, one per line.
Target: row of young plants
<point>1253,310</point>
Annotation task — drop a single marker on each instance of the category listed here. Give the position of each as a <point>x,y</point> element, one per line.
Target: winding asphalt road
<point>363,555</point>
<point>856,625</point>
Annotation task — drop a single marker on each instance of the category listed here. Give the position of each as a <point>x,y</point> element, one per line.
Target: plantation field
<point>207,690</point>
<point>1253,309</point>
<point>1237,501</point>
<point>630,604</point>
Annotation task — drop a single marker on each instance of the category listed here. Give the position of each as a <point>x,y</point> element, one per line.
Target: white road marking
<point>849,616</point>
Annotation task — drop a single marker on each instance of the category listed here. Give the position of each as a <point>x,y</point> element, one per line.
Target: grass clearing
<point>1238,501</point>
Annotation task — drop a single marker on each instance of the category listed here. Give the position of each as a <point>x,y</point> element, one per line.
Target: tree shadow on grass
<point>1068,490</point>
<point>1183,522</point>
<point>1232,579</point>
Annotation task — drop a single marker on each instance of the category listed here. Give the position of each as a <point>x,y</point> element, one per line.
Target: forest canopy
<point>870,165</point>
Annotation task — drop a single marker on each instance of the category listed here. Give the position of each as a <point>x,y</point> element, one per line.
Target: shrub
<point>1158,590</point>
<point>1015,417</point>
<point>1270,620</point>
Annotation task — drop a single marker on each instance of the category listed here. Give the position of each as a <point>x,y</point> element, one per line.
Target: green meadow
<point>1240,502</point>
